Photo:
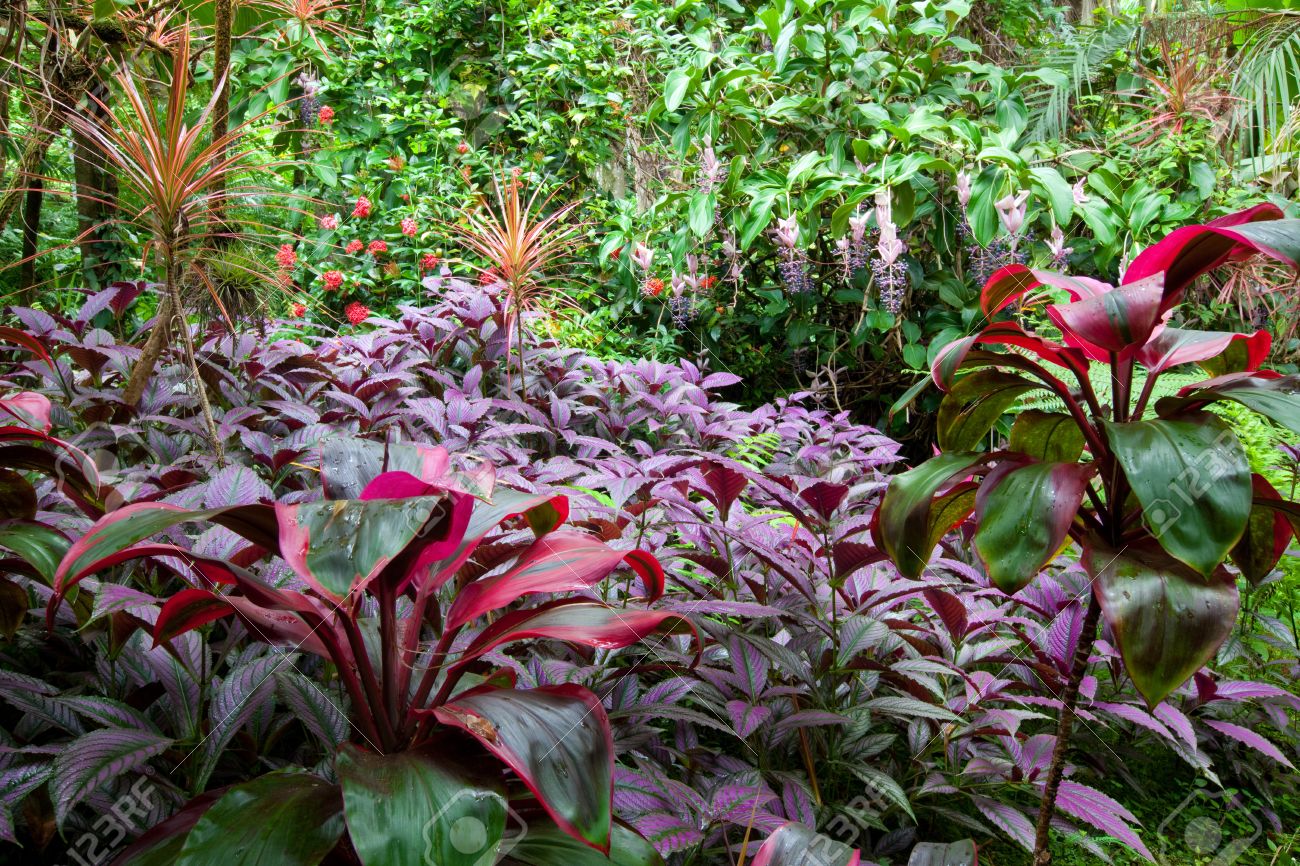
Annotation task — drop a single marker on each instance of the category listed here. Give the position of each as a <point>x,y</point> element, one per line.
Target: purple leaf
<point>1250,738</point>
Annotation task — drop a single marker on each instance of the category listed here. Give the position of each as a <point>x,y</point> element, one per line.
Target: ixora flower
<point>326,115</point>
<point>377,247</point>
<point>329,222</point>
<point>429,261</point>
<point>298,310</point>
<point>653,287</point>
<point>410,227</point>
<point>462,148</point>
<point>332,279</point>
<point>356,312</point>
<point>354,246</point>
<point>286,257</point>
<point>361,209</point>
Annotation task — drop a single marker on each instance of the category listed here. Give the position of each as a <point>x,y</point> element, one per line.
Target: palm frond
<point>1266,81</point>
<point>1072,69</point>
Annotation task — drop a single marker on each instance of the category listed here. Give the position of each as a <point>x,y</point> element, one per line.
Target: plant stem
<point>178,310</point>
<point>1069,698</point>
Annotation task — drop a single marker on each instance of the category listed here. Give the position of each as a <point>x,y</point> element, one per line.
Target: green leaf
<point>910,515</point>
<point>40,546</point>
<point>974,404</point>
<point>702,209</point>
<point>1048,437</point>
<point>1168,621</point>
<point>676,86</point>
<point>1275,399</point>
<point>285,818</point>
<point>420,807</point>
<point>1192,479</point>
<point>1057,190</point>
<point>545,844</point>
<point>557,740</point>
<point>1024,517</point>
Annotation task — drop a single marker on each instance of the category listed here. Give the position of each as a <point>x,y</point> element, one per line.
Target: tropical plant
<point>1158,504</point>
<point>397,526</point>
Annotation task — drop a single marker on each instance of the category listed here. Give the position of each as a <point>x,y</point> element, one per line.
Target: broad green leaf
<point>1024,517</point>
<point>974,404</point>
<point>420,807</point>
<point>1168,621</point>
<point>557,740</point>
<point>1193,482</point>
<point>1057,190</point>
<point>40,546</point>
<point>702,209</point>
<point>907,518</point>
<point>285,818</point>
<point>339,546</point>
<point>1276,399</point>
<point>544,844</point>
<point>1048,437</point>
<point>676,86</point>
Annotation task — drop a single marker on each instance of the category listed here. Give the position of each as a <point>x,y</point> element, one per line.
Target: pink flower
<point>377,247</point>
<point>298,310</point>
<point>410,226</point>
<point>329,222</point>
<point>333,279</point>
<point>326,116</point>
<point>356,312</point>
<point>286,257</point>
<point>362,207</point>
<point>429,261</point>
<point>354,246</point>
<point>642,256</point>
<point>1012,210</point>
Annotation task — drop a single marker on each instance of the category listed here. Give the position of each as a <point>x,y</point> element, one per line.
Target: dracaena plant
<point>409,574</point>
<point>1157,495</point>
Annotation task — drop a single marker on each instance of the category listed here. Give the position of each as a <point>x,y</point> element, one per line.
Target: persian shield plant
<point>1157,494</point>
<point>409,575</point>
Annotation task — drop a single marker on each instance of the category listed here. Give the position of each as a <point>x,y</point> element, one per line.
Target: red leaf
<point>1121,320</point>
<point>949,360</point>
<point>29,409</point>
<point>1174,346</point>
<point>186,611</point>
<point>1190,251</point>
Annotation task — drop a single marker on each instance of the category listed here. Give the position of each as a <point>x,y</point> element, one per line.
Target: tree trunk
<point>1069,698</point>
<point>102,255</point>
<point>200,389</point>
<point>31,237</point>
<point>47,119</point>
<point>153,349</point>
<point>221,107</point>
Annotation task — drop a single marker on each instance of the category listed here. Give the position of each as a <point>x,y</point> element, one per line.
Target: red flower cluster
<point>326,115</point>
<point>354,246</point>
<point>298,310</point>
<point>329,222</point>
<point>362,208</point>
<point>462,148</point>
<point>377,247</point>
<point>356,312</point>
<point>488,277</point>
<point>286,257</point>
<point>410,226</point>
<point>708,282</point>
<point>429,261</point>
<point>652,287</point>
<point>333,279</point>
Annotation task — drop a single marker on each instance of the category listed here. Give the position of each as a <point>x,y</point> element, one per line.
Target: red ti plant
<point>1155,497</point>
<point>396,565</point>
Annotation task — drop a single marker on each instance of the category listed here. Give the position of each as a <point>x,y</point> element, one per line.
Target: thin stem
<point>1070,697</point>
